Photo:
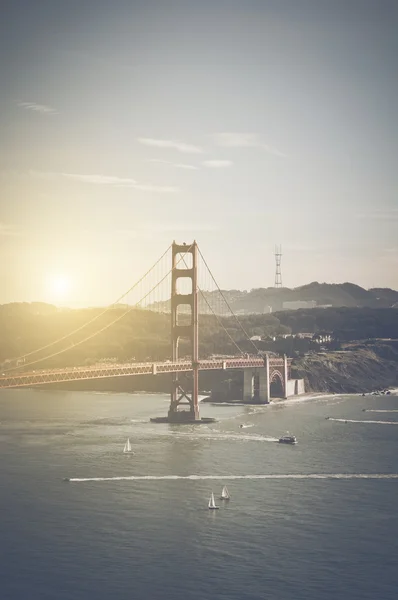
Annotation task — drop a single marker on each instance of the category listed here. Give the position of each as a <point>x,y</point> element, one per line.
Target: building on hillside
<point>322,338</point>
<point>296,304</point>
<point>305,335</point>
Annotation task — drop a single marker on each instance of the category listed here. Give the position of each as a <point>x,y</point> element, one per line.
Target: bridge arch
<point>277,386</point>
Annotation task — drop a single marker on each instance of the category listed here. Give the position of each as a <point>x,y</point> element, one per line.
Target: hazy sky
<point>242,124</point>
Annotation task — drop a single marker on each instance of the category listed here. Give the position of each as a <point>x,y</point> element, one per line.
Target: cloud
<point>379,215</point>
<point>184,166</point>
<point>102,179</point>
<point>171,144</point>
<point>176,165</point>
<point>183,227</point>
<point>159,189</point>
<point>7,230</point>
<point>151,230</point>
<point>109,180</point>
<point>40,108</point>
<point>218,164</point>
<point>244,140</point>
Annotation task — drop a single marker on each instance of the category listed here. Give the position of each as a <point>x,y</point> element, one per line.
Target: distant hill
<point>259,300</point>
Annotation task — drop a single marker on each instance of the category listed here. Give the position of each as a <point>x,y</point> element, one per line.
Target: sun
<point>59,287</point>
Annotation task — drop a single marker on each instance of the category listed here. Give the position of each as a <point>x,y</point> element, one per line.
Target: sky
<point>241,124</point>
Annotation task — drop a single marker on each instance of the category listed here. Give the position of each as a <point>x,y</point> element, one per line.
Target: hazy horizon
<point>241,125</point>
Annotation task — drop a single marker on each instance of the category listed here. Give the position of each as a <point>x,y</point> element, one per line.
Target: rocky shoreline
<point>353,370</point>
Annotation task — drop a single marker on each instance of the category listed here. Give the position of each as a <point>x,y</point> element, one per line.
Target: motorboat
<point>288,439</point>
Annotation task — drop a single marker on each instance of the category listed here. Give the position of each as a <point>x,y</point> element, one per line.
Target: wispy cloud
<point>172,145</point>
<point>102,179</point>
<point>7,230</point>
<point>40,108</point>
<point>218,164</point>
<point>176,165</point>
<point>389,214</point>
<point>159,189</point>
<point>183,227</point>
<point>151,230</point>
<point>244,140</point>
<point>109,180</point>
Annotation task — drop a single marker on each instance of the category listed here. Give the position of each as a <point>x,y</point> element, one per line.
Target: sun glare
<point>59,287</point>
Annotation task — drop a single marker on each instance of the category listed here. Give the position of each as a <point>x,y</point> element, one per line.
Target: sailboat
<point>127,446</point>
<point>212,504</point>
<point>225,494</point>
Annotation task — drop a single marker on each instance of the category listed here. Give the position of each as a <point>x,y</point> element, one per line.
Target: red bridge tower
<point>179,330</point>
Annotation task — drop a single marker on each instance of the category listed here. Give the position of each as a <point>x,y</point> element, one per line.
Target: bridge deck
<point>28,379</point>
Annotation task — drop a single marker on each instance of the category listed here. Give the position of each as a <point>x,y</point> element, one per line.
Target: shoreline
<point>305,397</point>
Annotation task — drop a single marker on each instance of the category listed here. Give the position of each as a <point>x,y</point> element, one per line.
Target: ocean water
<point>141,529</point>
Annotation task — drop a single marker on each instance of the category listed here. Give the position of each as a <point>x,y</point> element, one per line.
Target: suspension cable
<point>106,326</point>
<point>109,307</point>
<point>219,321</point>
<point>211,309</point>
<point>227,303</point>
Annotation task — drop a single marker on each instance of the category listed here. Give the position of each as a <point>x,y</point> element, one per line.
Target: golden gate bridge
<point>185,291</point>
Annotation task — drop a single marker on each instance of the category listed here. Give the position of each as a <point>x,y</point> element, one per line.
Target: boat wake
<point>364,421</point>
<point>233,477</point>
<point>214,435</point>
<point>393,410</point>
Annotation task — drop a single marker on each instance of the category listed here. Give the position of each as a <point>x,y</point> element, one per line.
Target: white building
<point>296,304</point>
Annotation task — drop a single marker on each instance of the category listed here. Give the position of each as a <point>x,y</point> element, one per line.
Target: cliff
<point>357,368</point>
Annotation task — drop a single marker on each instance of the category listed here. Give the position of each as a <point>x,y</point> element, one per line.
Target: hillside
<point>357,368</point>
<point>145,335</point>
<point>259,300</point>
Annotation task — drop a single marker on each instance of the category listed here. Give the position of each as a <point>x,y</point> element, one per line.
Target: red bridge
<point>259,372</point>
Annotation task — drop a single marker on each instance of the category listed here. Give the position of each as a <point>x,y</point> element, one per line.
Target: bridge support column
<point>285,377</point>
<point>256,385</point>
<point>264,387</point>
<point>248,385</point>
<point>178,330</point>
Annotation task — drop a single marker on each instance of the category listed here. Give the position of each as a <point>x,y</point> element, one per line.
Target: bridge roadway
<point>32,378</point>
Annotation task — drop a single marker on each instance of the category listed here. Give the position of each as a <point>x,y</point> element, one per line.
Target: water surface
<point>291,537</point>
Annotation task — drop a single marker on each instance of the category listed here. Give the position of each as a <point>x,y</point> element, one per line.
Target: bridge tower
<point>184,330</point>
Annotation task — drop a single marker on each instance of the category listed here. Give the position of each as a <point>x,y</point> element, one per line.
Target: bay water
<point>315,521</point>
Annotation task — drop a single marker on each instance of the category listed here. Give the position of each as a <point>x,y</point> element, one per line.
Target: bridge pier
<point>256,385</point>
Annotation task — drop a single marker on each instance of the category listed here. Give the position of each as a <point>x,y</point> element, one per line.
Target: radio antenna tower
<point>278,273</point>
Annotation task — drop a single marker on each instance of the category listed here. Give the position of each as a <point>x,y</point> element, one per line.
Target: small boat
<point>212,504</point>
<point>225,494</point>
<point>127,446</point>
<point>288,439</point>
<point>66,479</point>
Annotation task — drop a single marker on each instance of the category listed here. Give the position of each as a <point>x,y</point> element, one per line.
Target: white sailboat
<point>225,494</point>
<point>127,446</point>
<point>212,504</point>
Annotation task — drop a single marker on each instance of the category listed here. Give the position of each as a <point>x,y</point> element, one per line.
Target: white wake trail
<point>230,477</point>
<point>363,421</point>
<point>392,410</point>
